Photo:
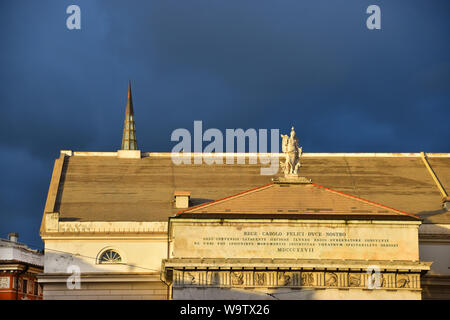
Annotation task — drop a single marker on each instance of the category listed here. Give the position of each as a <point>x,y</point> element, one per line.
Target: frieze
<point>331,279</point>
<point>307,279</point>
<point>293,279</point>
<point>354,280</point>
<point>403,281</point>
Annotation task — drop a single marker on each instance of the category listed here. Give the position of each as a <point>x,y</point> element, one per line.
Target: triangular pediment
<point>284,199</point>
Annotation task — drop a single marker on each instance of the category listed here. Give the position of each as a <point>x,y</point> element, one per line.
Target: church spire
<point>129,141</point>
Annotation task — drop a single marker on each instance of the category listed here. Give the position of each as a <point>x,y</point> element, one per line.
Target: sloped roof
<point>295,199</point>
<point>102,187</point>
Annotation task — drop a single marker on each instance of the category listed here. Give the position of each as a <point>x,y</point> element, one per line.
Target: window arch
<point>110,256</point>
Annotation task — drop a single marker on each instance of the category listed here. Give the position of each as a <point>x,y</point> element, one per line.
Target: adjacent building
<point>19,267</point>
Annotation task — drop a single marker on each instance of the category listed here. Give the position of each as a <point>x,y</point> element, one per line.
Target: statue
<point>293,153</point>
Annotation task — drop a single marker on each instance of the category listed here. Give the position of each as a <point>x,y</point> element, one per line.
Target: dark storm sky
<point>231,63</point>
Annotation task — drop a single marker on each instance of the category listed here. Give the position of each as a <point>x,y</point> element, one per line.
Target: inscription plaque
<point>300,240</point>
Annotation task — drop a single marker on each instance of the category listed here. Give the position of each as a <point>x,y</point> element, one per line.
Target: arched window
<point>110,256</point>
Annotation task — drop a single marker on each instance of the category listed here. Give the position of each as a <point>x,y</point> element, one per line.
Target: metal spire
<point>129,141</point>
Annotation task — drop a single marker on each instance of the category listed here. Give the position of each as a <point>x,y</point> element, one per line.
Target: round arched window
<point>110,256</point>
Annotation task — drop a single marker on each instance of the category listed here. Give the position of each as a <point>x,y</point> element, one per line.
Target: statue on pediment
<point>292,152</point>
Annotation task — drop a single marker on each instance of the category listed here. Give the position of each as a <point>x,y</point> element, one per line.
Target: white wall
<point>138,255</point>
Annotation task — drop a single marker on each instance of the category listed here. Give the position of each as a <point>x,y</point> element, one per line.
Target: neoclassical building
<point>345,226</point>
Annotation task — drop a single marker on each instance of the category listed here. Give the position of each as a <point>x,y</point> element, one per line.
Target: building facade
<point>112,224</point>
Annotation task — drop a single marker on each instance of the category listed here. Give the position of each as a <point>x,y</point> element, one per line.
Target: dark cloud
<point>249,64</point>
